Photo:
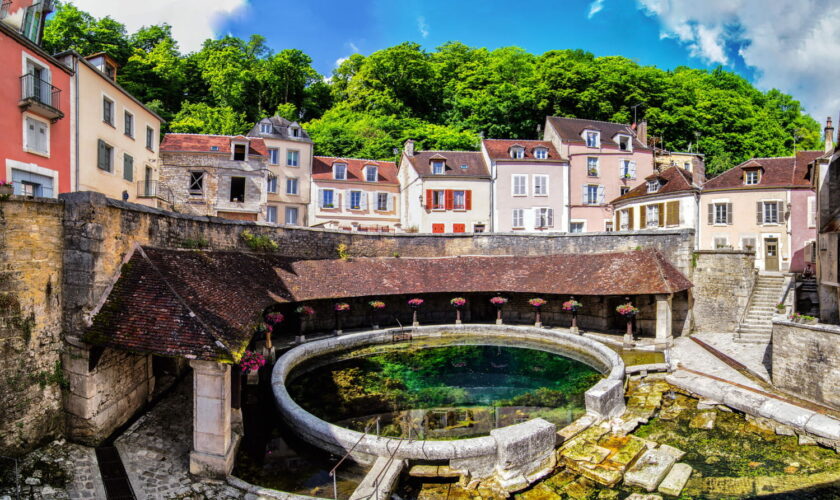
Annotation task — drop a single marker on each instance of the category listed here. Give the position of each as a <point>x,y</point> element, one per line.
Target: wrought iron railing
<point>36,89</point>
<point>147,188</point>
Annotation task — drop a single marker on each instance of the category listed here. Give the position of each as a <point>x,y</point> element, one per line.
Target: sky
<point>792,45</point>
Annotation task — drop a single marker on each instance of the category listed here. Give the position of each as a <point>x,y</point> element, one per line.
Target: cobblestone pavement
<point>688,354</point>
<point>59,471</point>
<point>756,357</point>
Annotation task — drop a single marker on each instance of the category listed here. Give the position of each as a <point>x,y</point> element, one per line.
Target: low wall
<point>805,360</point>
<point>723,281</point>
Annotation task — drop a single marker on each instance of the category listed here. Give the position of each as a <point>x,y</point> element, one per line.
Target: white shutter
<point>537,213</point>
<point>390,202</point>
<point>633,169</point>
<point>550,217</point>
<point>347,199</point>
<point>583,199</point>
<point>321,198</point>
<point>601,195</point>
<point>363,200</point>
<point>812,212</point>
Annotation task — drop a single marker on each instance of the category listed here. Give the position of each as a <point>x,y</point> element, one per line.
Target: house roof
<point>322,169</point>
<point>785,171</point>
<point>279,130</point>
<point>205,304</point>
<point>672,180</point>
<point>202,143</point>
<point>570,130</point>
<point>499,149</point>
<point>458,163</point>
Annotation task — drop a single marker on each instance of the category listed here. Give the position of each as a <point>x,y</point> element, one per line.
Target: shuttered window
<point>720,213</point>
<point>37,137</point>
<point>673,213</point>
<point>518,218</point>
<point>459,228</point>
<point>128,167</point>
<point>812,212</point>
<point>769,212</point>
<point>540,185</point>
<point>520,185</point>
<point>105,156</point>
<point>544,217</point>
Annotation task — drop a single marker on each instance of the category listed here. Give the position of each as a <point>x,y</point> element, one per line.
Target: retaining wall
<point>805,359</point>
<point>723,281</point>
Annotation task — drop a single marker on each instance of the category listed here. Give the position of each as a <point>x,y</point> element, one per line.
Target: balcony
<point>153,189</point>
<point>39,97</point>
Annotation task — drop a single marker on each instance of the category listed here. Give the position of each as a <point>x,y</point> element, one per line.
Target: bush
<point>259,243</point>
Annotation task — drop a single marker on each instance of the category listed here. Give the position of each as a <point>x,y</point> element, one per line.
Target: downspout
<point>76,113</point>
<point>493,176</point>
<point>697,224</point>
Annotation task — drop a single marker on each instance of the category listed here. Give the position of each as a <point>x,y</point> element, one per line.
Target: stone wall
<point>30,329</point>
<point>805,360</point>
<point>723,281</point>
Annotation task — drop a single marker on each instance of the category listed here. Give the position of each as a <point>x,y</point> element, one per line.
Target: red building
<point>34,104</point>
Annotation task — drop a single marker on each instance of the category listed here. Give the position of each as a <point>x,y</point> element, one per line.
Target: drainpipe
<point>697,224</point>
<point>76,113</point>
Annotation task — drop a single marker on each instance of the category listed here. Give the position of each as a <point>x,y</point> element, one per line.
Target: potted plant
<point>780,308</point>
<point>573,307</point>
<point>537,303</point>
<point>458,303</point>
<point>629,312</point>
<point>339,308</point>
<point>6,189</point>
<point>272,320</point>
<point>251,361</point>
<point>803,318</point>
<point>498,302</point>
<point>415,304</point>
<point>375,307</point>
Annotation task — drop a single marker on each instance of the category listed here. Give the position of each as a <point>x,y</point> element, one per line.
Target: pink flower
<point>274,318</point>
<point>572,305</point>
<point>458,301</point>
<point>376,304</point>
<point>251,361</point>
<point>537,302</point>
<point>498,301</point>
<point>342,306</point>
<point>627,310</point>
<point>415,302</point>
<point>305,311</point>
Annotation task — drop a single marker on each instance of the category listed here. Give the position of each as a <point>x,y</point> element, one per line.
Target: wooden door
<point>771,254</point>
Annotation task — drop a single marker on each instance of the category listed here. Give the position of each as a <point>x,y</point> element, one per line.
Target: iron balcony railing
<point>40,91</point>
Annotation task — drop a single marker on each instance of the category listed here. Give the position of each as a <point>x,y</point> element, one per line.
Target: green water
<point>444,392</point>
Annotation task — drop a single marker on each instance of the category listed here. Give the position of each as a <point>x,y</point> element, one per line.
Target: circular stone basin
<point>474,373</point>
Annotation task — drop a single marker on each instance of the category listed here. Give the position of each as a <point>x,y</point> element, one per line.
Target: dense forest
<point>445,99</point>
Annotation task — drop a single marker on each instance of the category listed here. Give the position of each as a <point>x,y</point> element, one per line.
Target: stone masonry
<point>805,360</point>
<point>723,281</point>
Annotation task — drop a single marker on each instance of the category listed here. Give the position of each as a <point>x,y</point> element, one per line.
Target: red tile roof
<point>672,180</point>
<point>786,171</point>
<point>458,163</point>
<point>322,169</point>
<point>499,149</point>
<point>202,143</point>
<point>570,130</point>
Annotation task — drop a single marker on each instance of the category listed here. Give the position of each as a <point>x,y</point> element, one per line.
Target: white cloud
<point>594,8</point>
<point>192,21</point>
<point>794,45</point>
<point>353,47</point>
<point>422,27</point>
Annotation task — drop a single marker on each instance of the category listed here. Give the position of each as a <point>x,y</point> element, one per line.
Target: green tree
<point>71,28</point>
<point>201,118</point>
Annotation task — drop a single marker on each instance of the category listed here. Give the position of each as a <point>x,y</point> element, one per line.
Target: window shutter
<point>537,217</point>
<point>468,199</point>
<point>583,194</point>
<point>711,213</point>
<point>642,217</point>
<point>601,196</point>
<point>363,200</point>
<point>389,205</point>
<point>348,199</point>
<point>617,226</point>
<point>729,214</point>
<point>429,195</point>
<point>812,208</point>
<point>321,198</point>
<point>661,214</point>
<point>633,169</point>
<point>128,168</point>
<point>102,155</point>
<point>550,217</point>
<point>449,196</point>
<point>630,218</point>
<point>759,212</point>
<point>780,212</point>
<point>673,209</point>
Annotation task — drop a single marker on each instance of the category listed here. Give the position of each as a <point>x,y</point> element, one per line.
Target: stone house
<point>529,191</point>
<point>665,200</point>
<point>605,160</point>
<point>217,175</point>
<point>444,191</point>
<point>355,194</point>
<point>825,180</point>
<point>691,162</point>
<point>116,136</point>
<point>289,158</point>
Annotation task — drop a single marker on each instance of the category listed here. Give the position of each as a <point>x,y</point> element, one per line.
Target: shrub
<point>259,243</point>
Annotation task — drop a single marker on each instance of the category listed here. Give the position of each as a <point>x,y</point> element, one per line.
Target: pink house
<point>606,161</point>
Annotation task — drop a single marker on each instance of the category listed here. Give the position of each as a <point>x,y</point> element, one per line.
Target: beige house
<point>355,194</point>
<point>114,137</point>
<point>444,191</point>
<point>289,159</point>
<point>664,200</point>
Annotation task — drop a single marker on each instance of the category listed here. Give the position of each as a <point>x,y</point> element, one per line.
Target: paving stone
<point>649,470</point>
<point>704,420</point>
<point>674,452</point>
<point>675,481</point>
<point>642,496</point>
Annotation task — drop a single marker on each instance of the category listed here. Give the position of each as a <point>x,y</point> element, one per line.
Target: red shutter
<point>468,199</point>
<point>450,199</point>
<point>459,228</point>
<point>429,199</point>
<point>437,228</point>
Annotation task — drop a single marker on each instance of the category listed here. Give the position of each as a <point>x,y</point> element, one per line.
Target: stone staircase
<point>757,327</point>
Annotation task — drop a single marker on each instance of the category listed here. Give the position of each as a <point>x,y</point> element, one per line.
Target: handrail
<point>332,471</point>
<point>746,310</point>
<point>39,90</point>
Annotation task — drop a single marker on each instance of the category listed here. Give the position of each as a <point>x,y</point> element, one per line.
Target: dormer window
<point>752,177</point>
<point>517,152</point>
<point>239,152</point>
<point>593,139</point>
<point>294,131</point>
<point>541,153</point>
<point>371,173</point>
<point>438,167</point>
<point>340,171</point>
<point>110,71</point>
<point>625,142</point>
<point>265,128</point>
<point>653,186</point>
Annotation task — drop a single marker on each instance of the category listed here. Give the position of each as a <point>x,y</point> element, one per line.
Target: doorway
<point>771,254</point>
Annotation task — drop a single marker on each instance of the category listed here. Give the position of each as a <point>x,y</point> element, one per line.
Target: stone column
<point>214,445</point>
<point>664,337</point>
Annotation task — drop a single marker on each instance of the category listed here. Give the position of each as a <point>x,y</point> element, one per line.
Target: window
<point>196,186</point>
<point>624,190</point>
<point>150,138</point>
<point>129,124</point>
<point>438,167</point>
<point>292,216</point>
<point>687,165</point>
<point>770,211</point>
<point>32,21</point>
<point>31,184</point>
<point>273,156</point>
<point>479,228</point>
<point>520,185</point>
<point>625,143</point>
<point>541,153</point>
<point>652,215</point>
<point>540,185</point>
<point>265,128</point>
<point>37,138</point>
<point>382,204</point>
<point>438,228</point>
<point>239,152</point>
<point>518,218</point>
<point>459,228</point>
<point>326,198</point>
<point>459,200</point>
<point>576,227</point>
<point>751,177</point>
<point>812,212</point>
<point>464,166</point>
<point>354,201</point>
<point>237,189</point>
<point>340,171</point>
<point>271,214</point>
<point>720,213</point>
<point>108,111</point>
<point>748,244</point>
<point>295,131</point>
<point>653,186</point>
<point>292,158</point>
<point>438,199</point>
<point>271,184</point>
<point>627,169</point>
<point>624,220</point>
<point>544,217</point>
<point>105,156</point>
<point>593,139</point>
<point>608,226</point>
<point>721,242</point>
<point>592,166</point>
<point>128,167</point>
<point>593,194</point>
<point>517,152</point>
<point>292,186</point>
<point>371,173</point>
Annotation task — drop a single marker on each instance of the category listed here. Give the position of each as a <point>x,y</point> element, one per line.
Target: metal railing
<point>334,469</point>
<point>36,89</point>
<point>4,8</point>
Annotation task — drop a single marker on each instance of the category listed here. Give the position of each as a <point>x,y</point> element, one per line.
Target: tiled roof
<point>570,130</point>
<point>672,180</point>
<point>322,169</point>
<point>458,163</point>
<point>499,149</point>
<point>202,143</point>
<point>279,130</point>
<point>776,172</point>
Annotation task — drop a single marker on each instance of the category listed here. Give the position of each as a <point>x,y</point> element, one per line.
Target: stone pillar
<point>664,337</point>
<point>214,445</point>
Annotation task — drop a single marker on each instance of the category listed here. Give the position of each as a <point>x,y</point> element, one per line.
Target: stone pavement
<point>688,354</point>
<point>756,357</point>
<point>57,471</point>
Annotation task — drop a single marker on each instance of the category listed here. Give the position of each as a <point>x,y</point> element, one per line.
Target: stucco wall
<point>302,172</point>
<point>346,217</point>
<point>688,210</point>
<point>506,201</point>
<point>805,360</point>
<point>723,281</point>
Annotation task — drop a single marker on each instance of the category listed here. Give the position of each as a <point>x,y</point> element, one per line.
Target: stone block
<point>649,470</point>
<point>824,426</point>
<point>606,398</point>
<point>675,481</point>
<point>674,452</point>
<point>785,413</point>
<point>523,452</point>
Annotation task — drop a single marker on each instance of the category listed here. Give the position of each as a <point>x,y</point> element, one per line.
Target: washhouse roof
<point>205,304</point>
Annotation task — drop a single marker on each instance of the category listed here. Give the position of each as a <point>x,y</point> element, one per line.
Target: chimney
<point>641,132</point>
<point>408,148</point>
<point>829,135</point>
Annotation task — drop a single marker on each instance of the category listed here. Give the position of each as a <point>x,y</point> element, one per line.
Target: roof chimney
<point>408,148</point>
<point>829,135</point>
<point>641,132</point>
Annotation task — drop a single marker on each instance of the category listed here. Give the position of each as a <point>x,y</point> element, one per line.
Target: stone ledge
<point>779,319</point>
